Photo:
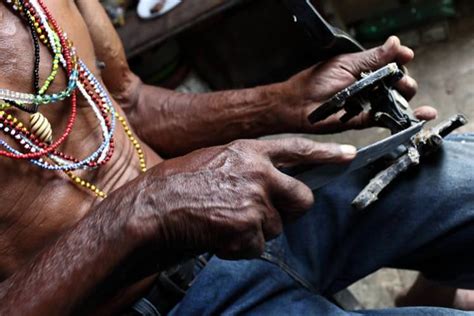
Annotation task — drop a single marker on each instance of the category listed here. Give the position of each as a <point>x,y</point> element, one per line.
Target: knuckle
<point>375,58</point>
<point>345,64</point>
<point>303,146</point>
<point>254,222</point>
<point>239,145</point>
<point>319,150</point>
<point>326,151</point>
<point>244,144</point>
<point>258,192</point>
<point>258,176</point>
<point>248,224</point>
<point>339,61</point>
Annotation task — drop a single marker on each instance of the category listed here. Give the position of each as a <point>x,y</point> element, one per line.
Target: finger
<point>407,86</point>
<point>272,225</point>
<point>290,152</point>
<point>291,197</point>
<point>365,119</point>
<point>391,51</point>
<point>426,113</point>
<point>250,246</point>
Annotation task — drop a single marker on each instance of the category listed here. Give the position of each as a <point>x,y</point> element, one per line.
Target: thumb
<point>291,152</point>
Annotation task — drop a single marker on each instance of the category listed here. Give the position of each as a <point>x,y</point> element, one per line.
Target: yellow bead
<point>77,179</point>
<point>88,185</point>
<point>93,187</point>
<point>83,183</point>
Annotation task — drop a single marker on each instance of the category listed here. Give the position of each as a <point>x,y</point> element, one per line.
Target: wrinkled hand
<point>310,88</point>
<point>230,199</point>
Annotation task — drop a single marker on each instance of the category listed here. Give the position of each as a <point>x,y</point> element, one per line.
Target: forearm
<point>60,279</point>
<point>176,123</point>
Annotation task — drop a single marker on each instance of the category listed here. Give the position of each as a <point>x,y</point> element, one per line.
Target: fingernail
<point>348,150</point>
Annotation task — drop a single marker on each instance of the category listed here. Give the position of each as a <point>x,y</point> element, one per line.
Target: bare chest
<point>36,206</point>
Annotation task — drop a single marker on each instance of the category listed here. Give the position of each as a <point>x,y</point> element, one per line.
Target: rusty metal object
<point>374,93</point>
<point>423,144</point>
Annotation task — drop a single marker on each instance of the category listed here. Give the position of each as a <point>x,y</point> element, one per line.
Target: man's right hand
<point>227,200</point>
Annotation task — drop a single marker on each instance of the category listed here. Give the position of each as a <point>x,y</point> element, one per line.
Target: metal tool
<point>374,93</point>
<point>317,177</point>
<point>322,35</point>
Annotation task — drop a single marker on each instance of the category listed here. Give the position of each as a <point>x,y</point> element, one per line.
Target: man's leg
<point>424,221</point>
<point>258,287</point>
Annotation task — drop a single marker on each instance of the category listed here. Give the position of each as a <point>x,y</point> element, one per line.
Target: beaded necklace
<point>37,54</point>
<point>19,98</point>
<point>45,29</point>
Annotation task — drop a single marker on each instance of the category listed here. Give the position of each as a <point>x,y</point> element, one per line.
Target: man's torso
<point>38,205</point>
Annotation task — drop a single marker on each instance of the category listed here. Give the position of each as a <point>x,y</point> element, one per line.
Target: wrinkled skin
<point>37,206</point>
<point>244,172</point>
<point>227,199</point>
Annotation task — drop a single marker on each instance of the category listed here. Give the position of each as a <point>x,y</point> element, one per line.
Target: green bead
<point>46,99</point>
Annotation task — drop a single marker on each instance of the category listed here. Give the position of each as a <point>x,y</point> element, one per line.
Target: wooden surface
<point>139,35</point>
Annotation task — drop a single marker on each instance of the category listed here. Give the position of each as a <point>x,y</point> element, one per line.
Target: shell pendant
<point>41,128</point>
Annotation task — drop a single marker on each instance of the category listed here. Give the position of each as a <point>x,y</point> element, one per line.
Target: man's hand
<point>310,88</point>
<point>229,199</point>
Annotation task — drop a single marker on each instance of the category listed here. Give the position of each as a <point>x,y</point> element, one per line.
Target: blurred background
<point>205,45</point>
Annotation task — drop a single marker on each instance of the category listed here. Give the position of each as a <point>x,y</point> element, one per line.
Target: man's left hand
<point>310,88</point>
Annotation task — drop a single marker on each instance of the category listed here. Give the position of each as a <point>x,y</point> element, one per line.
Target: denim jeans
<point>424,221</point>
